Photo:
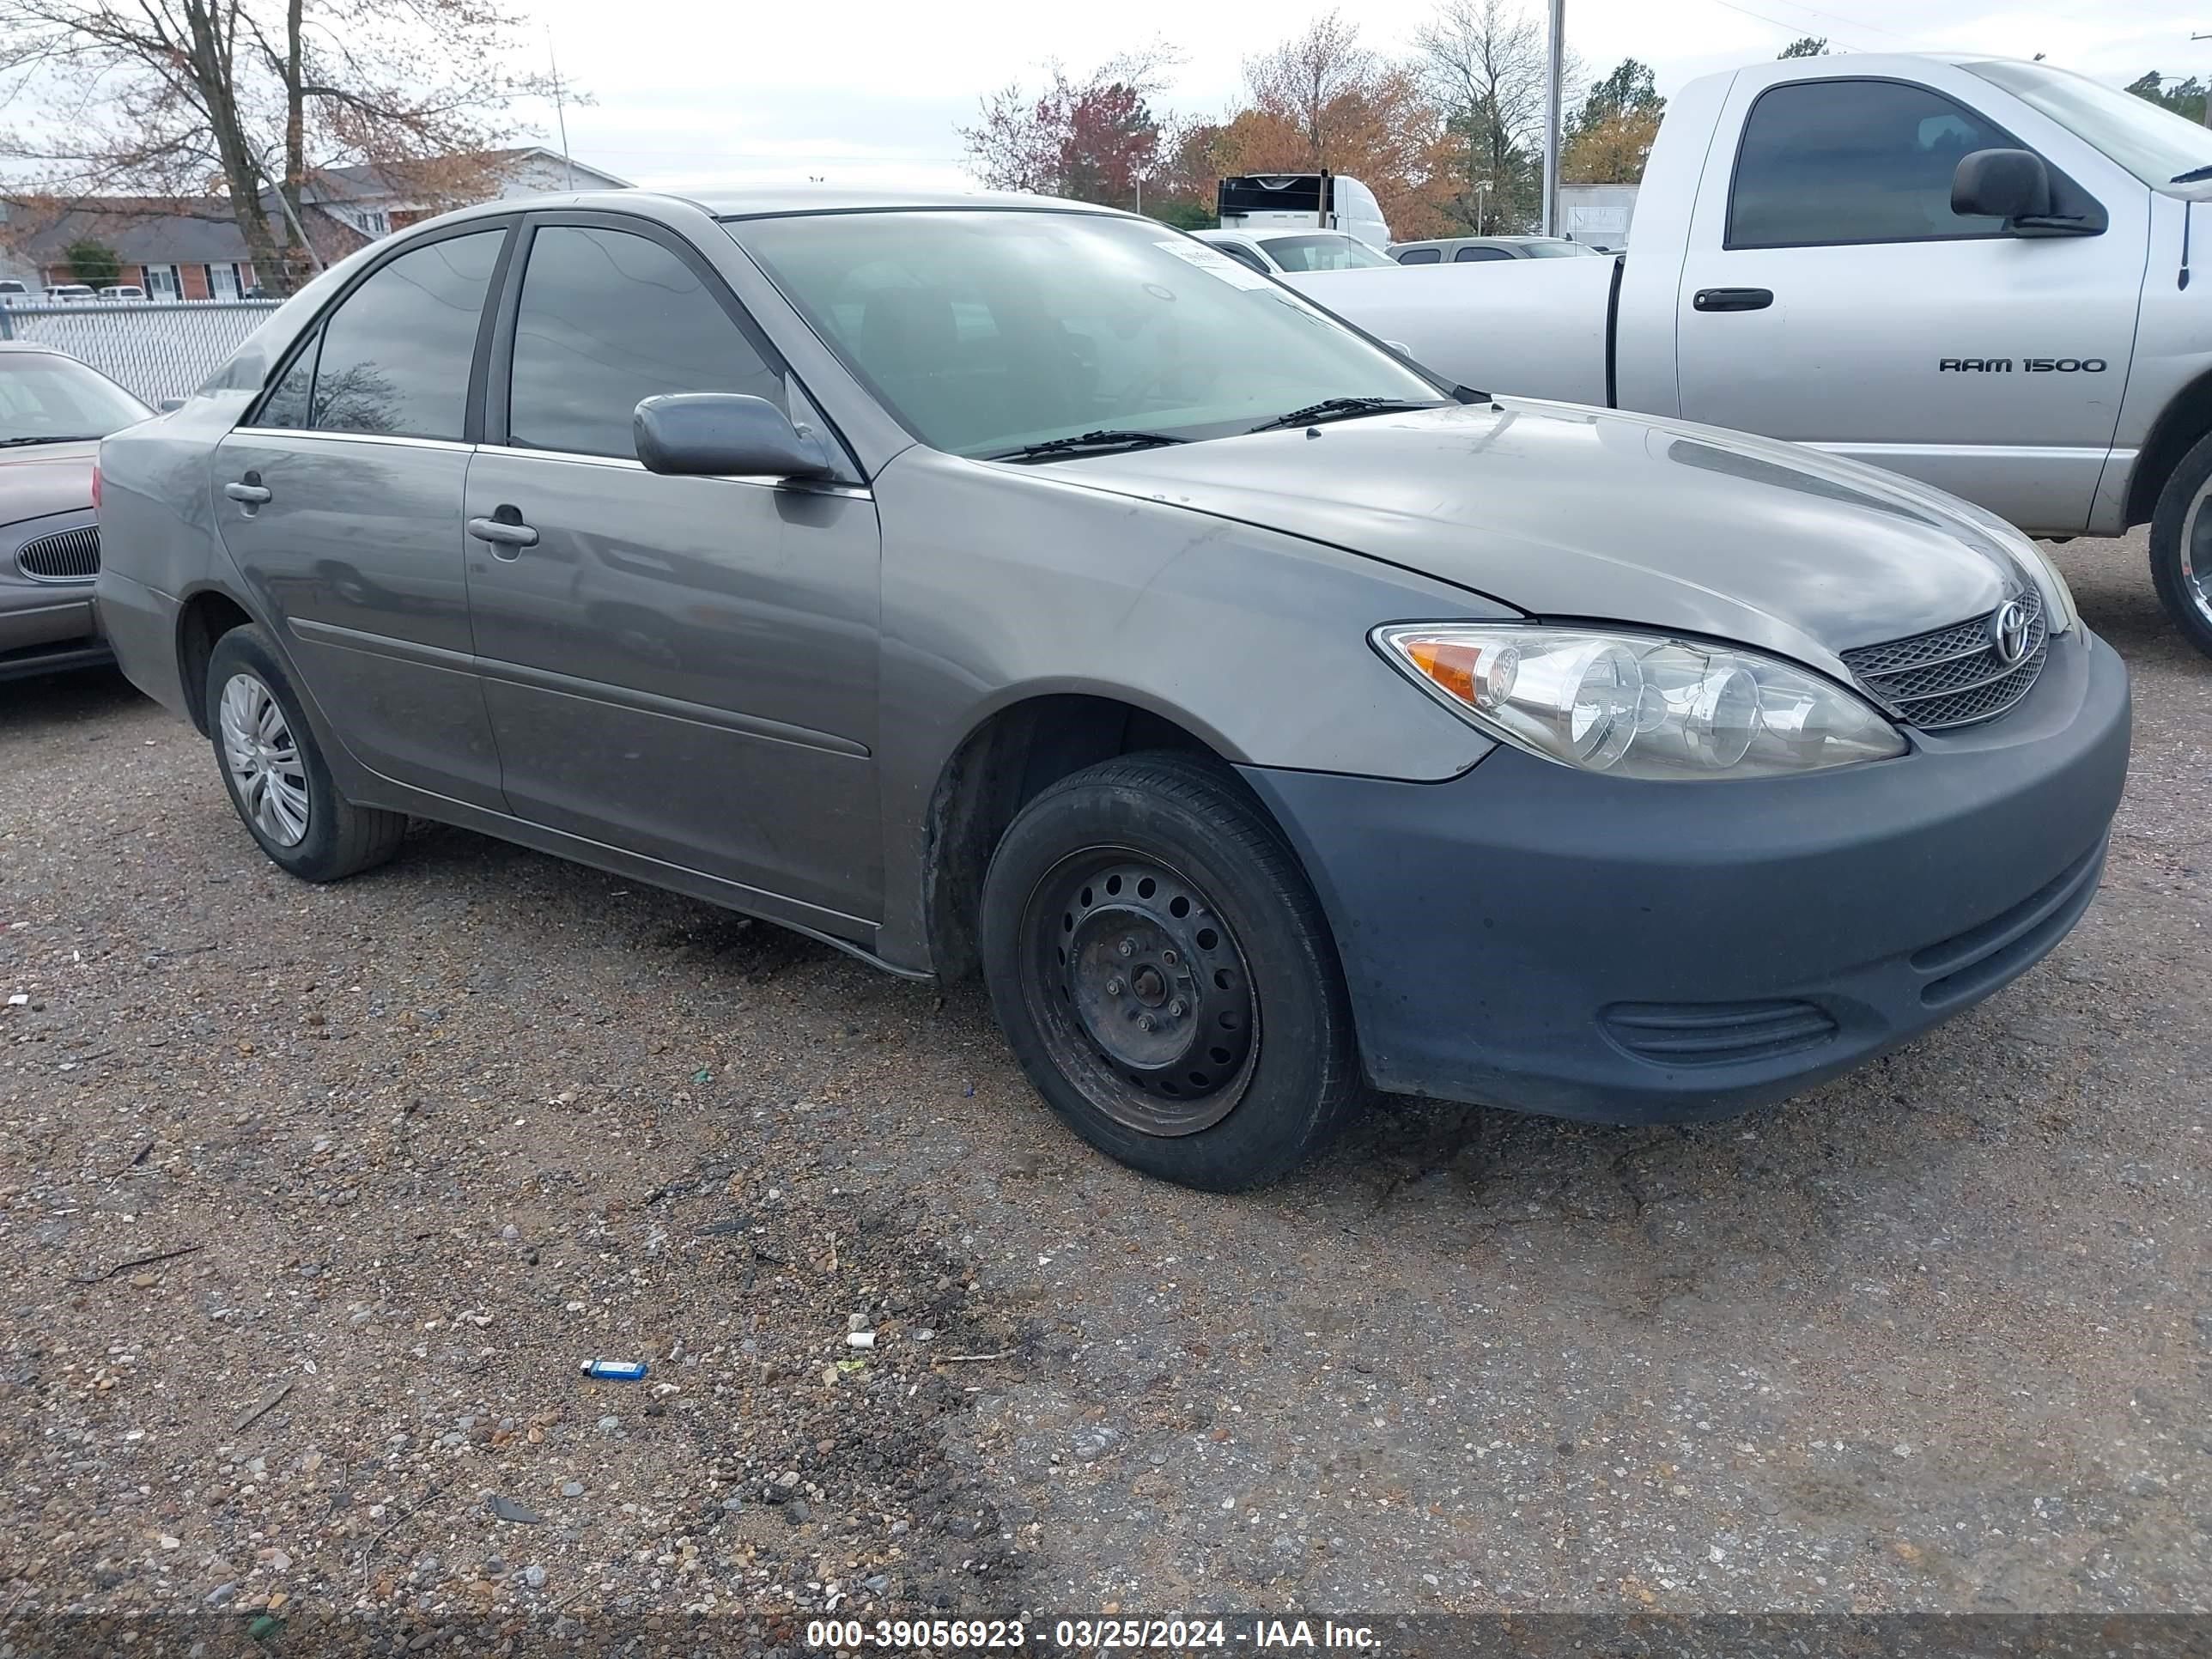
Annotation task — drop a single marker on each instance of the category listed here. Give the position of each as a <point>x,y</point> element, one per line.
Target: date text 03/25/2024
<point>1099,1635</point>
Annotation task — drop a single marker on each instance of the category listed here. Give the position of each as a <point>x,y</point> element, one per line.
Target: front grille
<point>1951,676</point>
<point>65,555</point>
<point>1716,1033</point>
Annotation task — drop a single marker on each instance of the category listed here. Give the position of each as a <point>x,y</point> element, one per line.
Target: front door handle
<point>1732,298</point>
<point>249,490</point>
<point>503,533</point>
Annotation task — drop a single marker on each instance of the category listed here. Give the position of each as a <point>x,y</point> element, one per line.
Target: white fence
<point>157,348</point>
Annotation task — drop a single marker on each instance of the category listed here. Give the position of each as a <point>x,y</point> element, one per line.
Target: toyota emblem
<point>2009,630</point>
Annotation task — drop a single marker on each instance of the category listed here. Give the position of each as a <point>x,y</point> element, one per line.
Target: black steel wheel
<point>1164,975</point>
<point>1139,984</point>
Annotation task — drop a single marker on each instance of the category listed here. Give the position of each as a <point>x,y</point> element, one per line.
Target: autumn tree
<point>1485,66</point>
<point>1612,133</point>
<point>1806,46</point>
<point>252,100</point>
<point>1321,99</point>
<point>1096,139</point>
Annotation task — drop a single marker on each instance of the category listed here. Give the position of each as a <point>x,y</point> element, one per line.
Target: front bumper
<point>47,627</point>
<point>1530,936</point>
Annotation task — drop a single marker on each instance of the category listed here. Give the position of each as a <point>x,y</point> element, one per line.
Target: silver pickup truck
<point>1973,270</point>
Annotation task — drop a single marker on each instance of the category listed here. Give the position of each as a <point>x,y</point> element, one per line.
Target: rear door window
<point>396,352</point>
<point>1476,256</point>
<point>608,319</point>
<point>1421,256</point>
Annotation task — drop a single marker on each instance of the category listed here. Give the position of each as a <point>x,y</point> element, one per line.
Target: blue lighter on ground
<point>615,1370</point>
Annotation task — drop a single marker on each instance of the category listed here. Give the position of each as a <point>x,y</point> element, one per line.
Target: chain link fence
<point>157,348</point>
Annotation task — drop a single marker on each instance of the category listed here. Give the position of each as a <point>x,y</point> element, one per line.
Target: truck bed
<point>1533,326</point>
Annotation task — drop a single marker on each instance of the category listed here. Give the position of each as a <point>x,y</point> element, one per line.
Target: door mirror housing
<point>2002,184</point>
<point>2032,197</point>
<point>725,434</point>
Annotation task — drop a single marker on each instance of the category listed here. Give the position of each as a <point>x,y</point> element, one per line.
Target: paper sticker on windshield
<point>1213,260</point>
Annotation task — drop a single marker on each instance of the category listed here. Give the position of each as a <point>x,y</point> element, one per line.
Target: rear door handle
<point>252,495</point>
<point>1732,298</point>
<point>503,533</point>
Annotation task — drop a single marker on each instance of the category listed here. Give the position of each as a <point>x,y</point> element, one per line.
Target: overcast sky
<point>692,93</point>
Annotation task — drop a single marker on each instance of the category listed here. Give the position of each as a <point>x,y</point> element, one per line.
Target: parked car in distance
<point>1972,269</point>
<point>54,410</point>
<point>988,583</point>
<point>1482,250</point>
<point>69,293</point>
<point>1270,252</point>
<point>123,291</point>
<point>12,289</point>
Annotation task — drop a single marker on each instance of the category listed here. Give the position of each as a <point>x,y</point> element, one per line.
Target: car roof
<point>20,347</point>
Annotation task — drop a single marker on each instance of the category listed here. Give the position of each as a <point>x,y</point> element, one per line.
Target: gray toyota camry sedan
<point>998,585</point>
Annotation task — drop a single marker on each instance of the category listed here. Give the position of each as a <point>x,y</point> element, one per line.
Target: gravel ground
<point>312,1200</point>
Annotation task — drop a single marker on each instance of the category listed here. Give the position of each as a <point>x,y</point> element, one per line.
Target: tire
<point>275,773</point>
<point>1152,887</point>
<point>2181,546</point>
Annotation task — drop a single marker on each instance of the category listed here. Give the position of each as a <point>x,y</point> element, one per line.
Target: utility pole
<point>1555,95</point>
<point>560,108</point>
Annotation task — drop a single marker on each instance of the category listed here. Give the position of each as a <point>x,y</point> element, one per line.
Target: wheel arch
<point>2184,423</point>
<point>1010,755</point>
<point>204,618</point>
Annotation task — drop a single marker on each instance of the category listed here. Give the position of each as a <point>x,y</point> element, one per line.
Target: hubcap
<point>264,761</point>
<point>1147,1002</point>
<point>2197,554</point>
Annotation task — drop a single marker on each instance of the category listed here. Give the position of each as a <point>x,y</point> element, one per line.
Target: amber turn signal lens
<point>1481,676</point>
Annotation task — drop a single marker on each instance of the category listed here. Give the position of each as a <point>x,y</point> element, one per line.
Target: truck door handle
<point>504,529</point>
<point>250,491</point>
<point>1732,298</point>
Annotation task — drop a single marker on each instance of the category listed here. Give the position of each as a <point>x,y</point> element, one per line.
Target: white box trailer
<point>1302,201</point>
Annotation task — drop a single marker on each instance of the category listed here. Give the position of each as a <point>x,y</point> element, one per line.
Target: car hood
<point>38,479</point>
<point>1564,511</point>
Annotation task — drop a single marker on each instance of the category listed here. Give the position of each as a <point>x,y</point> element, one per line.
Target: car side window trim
<point>1729,243</point>
<point>497,387</point>
<point>311,337</point>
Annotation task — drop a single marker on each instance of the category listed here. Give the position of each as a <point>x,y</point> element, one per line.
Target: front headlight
<point>1638,705</point>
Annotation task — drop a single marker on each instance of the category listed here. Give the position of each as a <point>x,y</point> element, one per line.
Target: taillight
<point>95,484</point>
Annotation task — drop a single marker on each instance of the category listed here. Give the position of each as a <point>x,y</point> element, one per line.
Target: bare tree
<point>250,99</point>
<point>1484,62</point>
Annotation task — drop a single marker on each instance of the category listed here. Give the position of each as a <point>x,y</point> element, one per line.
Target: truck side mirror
<point>2002,184</point>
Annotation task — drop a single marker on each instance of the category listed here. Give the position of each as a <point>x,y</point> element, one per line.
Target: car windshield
<point>45,399</point>
<point>984,332</point>
<point>1557,250</point>
<point>2149,140</point>
<point>1322,254</point>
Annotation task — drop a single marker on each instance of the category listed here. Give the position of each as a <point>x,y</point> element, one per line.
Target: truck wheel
<point>2181,546</point>
<point>1163,974</point>
<point>275,775</point>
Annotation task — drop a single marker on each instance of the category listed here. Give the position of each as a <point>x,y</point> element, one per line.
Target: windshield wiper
<point>58,438</point>
<point>1339,409</point>
<point>1100,442</point>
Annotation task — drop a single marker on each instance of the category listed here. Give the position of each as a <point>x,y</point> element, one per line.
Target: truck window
<point>1421,256</point>
<point>1475,256</point>
<point>1824,162</point>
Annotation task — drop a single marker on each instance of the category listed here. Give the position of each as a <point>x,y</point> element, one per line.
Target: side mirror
<point>2002,184</point>
<point>171,405</point>
<point>724,434</point>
